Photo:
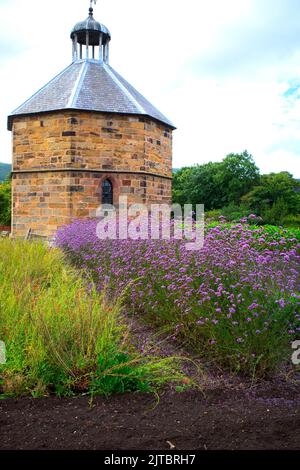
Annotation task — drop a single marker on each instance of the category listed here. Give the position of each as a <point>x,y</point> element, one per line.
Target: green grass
<point>272,232</point>
<point>60,337</point>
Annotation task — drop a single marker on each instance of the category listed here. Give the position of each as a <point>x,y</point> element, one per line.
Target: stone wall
<point>85,140</point>
<point>61,159</point>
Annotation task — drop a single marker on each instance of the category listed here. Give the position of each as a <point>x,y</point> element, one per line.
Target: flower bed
<point>236,301</point>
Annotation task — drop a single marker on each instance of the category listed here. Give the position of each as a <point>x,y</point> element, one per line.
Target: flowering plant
<point>235,301</point>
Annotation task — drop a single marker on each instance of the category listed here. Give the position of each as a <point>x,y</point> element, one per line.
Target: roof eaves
<point>11,117</point>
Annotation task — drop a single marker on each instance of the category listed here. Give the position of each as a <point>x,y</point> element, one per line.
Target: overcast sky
<point>226,73</point>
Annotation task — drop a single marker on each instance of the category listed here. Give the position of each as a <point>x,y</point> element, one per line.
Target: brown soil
<point>265,417</point>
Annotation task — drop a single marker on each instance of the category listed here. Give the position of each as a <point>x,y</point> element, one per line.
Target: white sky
<point>227,73</point>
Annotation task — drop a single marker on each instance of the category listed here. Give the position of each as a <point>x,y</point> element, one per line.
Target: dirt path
<point>224,419</point>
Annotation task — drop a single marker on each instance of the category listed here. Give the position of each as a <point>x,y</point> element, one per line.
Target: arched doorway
<point>107,192</point>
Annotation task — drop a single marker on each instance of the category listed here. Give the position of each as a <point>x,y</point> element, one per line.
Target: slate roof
<point>89,85</point>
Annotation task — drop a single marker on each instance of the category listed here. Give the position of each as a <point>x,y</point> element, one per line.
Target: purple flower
<point>239,273</point>
<point>281,303</point>
<point>253,306</point>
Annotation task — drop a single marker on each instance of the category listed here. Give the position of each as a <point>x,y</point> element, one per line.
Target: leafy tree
<point>235,188</point>
<point>203,187</point>
<point>237,175</point>
<point>5,203</point>
<point>276,192</point>
<point>197,185</point>
<point>216,184</point>
<point>180,181</point>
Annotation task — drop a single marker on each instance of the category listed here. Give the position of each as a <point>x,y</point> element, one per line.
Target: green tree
<point>197,185</point>
<point>276,193</point>
<point>5,203</point>
<point>237,176</point>
<point>203,187</point>
<point>179,185</point>
<point>216,184</point>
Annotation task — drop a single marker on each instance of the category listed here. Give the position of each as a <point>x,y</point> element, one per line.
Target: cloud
<point>226,73</point>
<point>9,49</point>
<point>266,36</point>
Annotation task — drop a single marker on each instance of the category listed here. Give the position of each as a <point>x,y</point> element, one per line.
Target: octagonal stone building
<point>84,139</point>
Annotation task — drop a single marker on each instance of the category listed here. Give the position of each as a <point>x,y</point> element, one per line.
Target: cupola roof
<point>93,27</point>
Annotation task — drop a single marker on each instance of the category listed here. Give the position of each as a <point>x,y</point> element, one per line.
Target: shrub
<point>234,212</point>
<point>5,203</point>
<point>213,215</point>
<point>276,214</point>
<point>291,220</point>
<point>59,335</point>
<point>235,301</point>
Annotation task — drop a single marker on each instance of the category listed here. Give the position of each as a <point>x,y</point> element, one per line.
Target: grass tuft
<point>60,336</point>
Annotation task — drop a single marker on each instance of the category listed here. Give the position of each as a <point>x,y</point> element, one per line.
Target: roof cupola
<point>90,39</point>
<point>89,83</point>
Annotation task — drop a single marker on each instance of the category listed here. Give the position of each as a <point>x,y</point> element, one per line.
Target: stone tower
<point>86,138</point>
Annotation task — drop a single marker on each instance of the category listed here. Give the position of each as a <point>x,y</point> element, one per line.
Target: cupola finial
<point>91,4</point>
<point>91,10</point>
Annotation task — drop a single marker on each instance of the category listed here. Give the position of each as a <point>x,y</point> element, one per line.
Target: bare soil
<point>264,417</point>
<point>226,412</point>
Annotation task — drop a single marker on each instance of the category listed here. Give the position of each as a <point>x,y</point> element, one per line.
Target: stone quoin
<point>86,138</point>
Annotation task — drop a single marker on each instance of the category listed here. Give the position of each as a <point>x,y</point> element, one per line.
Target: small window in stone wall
<point>107,192</point>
